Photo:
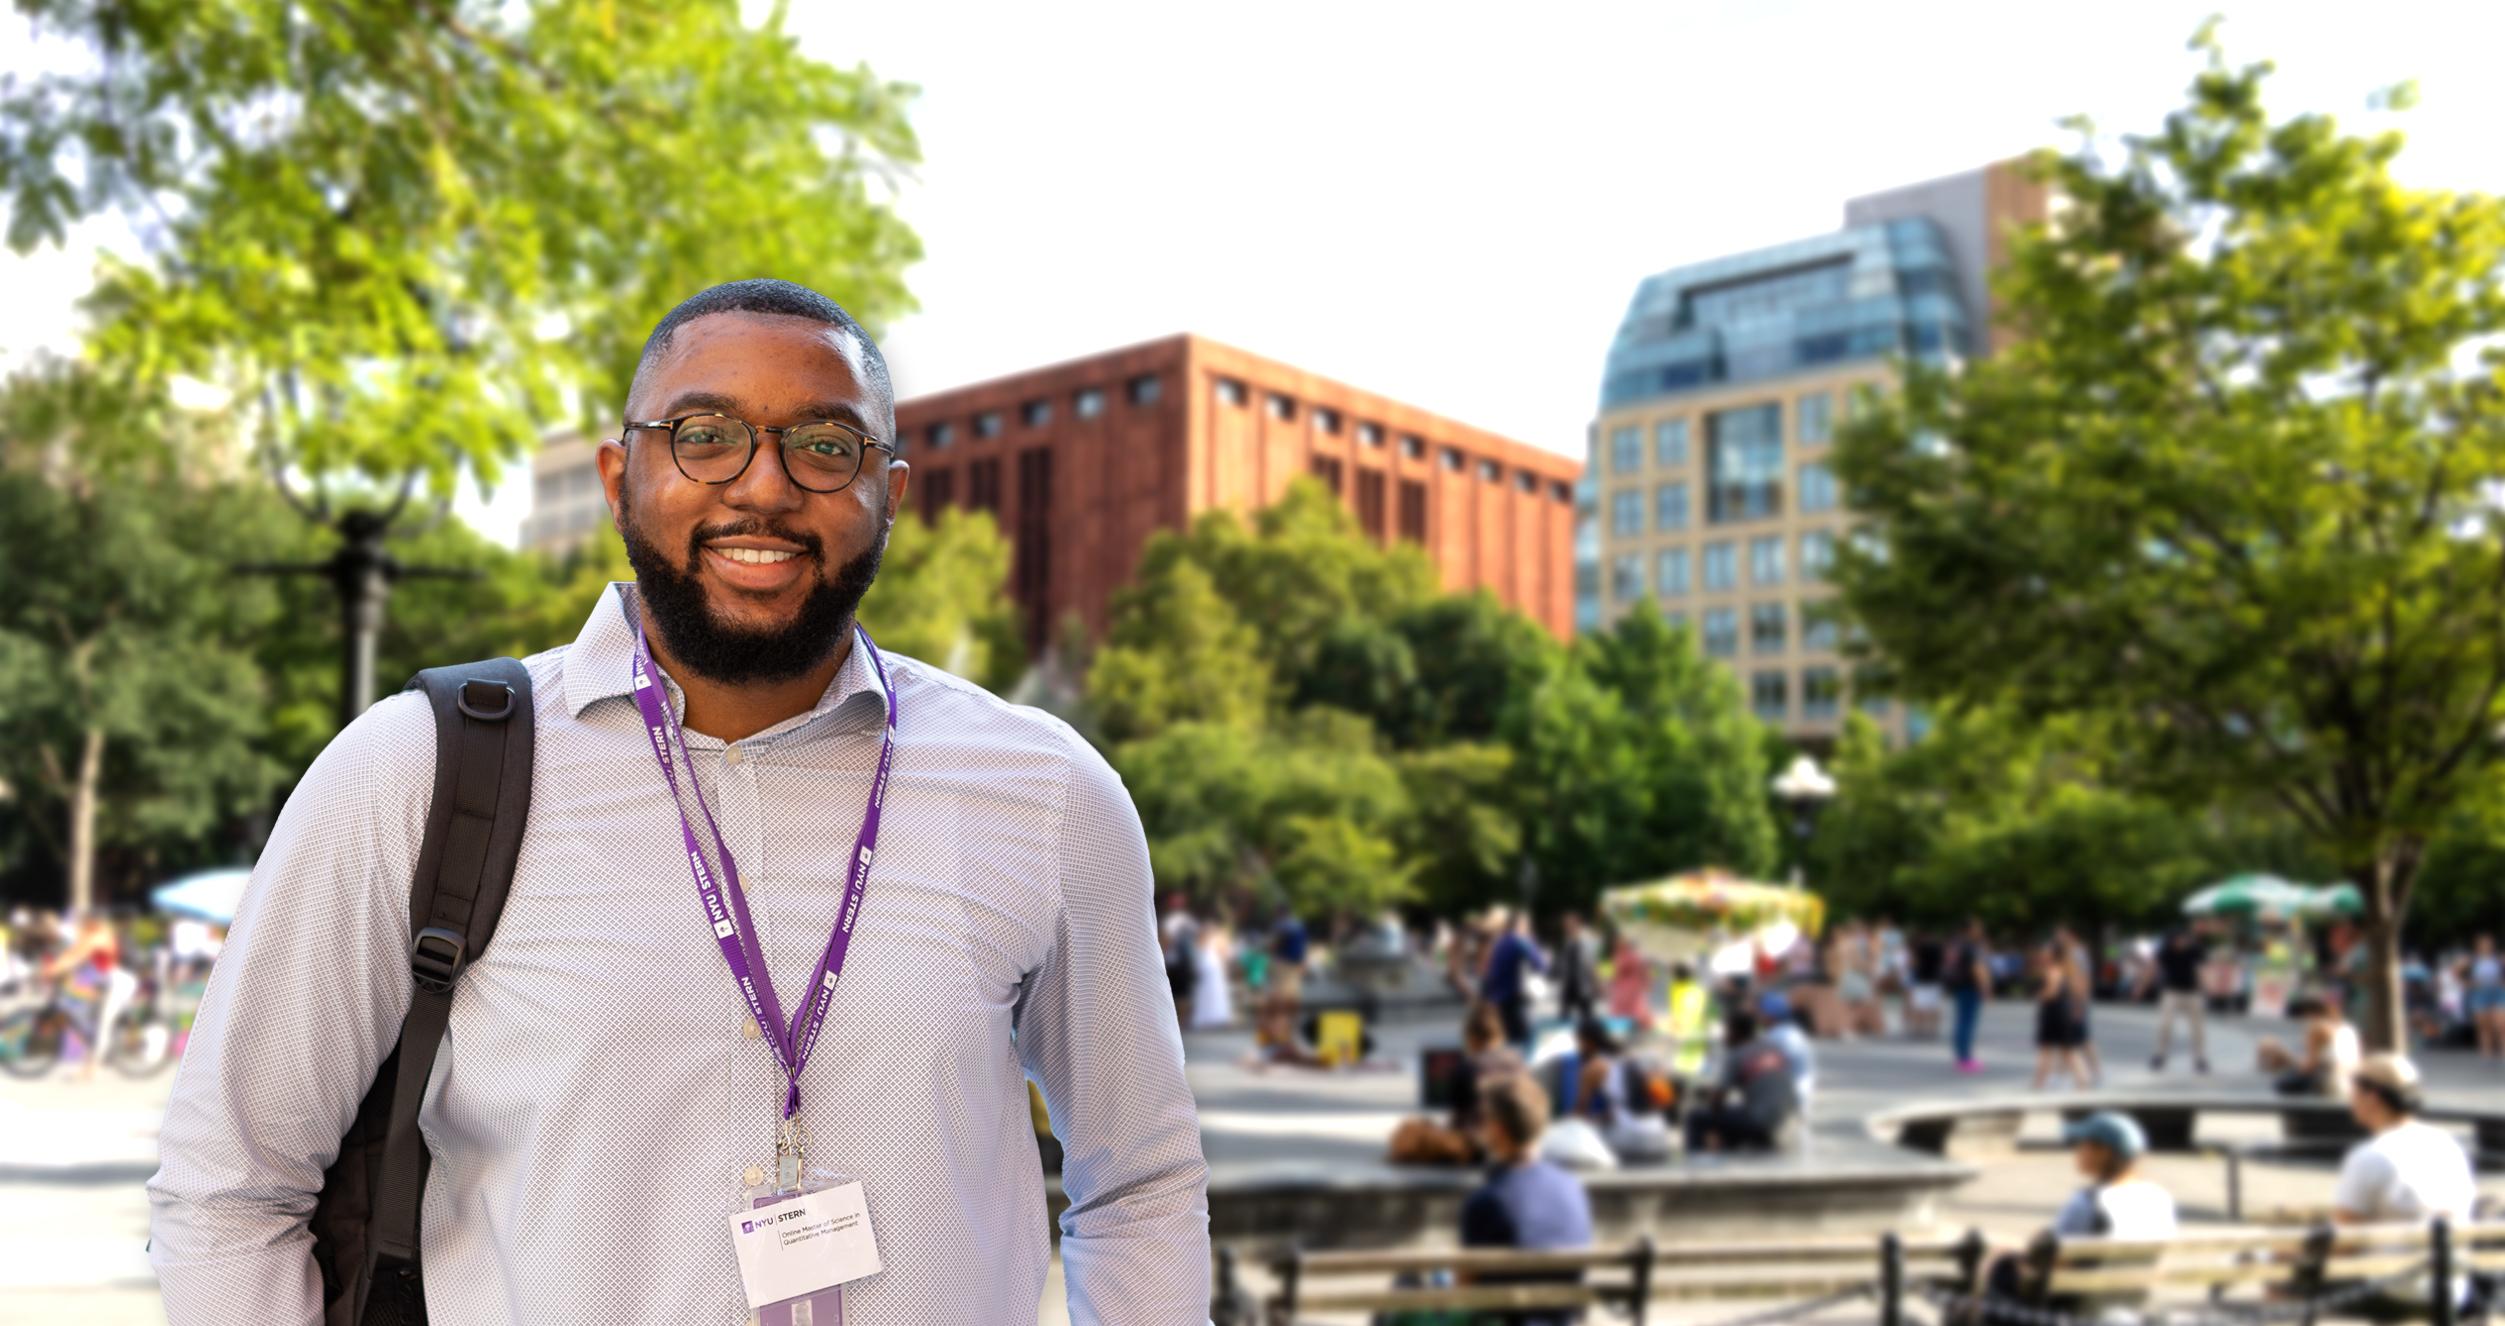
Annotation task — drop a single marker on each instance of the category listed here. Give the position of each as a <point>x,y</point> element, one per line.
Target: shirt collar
<point>599,667</point>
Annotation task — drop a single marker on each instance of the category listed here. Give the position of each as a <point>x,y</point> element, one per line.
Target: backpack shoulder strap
<point>483,744</point>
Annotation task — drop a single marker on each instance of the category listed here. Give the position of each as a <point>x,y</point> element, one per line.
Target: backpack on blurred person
<point>365,1223</point>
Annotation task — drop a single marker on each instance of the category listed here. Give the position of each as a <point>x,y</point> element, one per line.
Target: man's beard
<point>721,652</point>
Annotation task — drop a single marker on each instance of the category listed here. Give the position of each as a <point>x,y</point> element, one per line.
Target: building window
<point>1326,420</point>
<point>1670,507</point>
<point>1626,578</point>
<point>1876,706</point>
<point>1670,444</point>
<point>982,485</point>
<point>1281,408</point>
<point>1676,618</point>
<point>1035,414</point>
<point>1670,572</point>
<point>940,436</point>
<point>1917,724</point>
<point>939,491</point>
<point>1562,491</point>
<point>1626,512</point>
<point>1744,463</point>
<point>1145,389</point>
<point>1817,488</point>
<point>1527,482</point>
<point>987,424</point>
<point>1413,510</point>
<point>1765,560</point>
<point>1766,628</point>
<point>1770,694</point>
<point>1370,434</point>
<point>1722,565</point>
<point>1491,472</point>
<point>1412,446</point>
<point>1452,459</point>
<point>1089,403</point>
<point>1817,626</point>
<point>1626,450</point>
<point>1230,391</point>
<point>1813,417</point>
<point>1722,632</point>
<point>1327,469</point>
<point>1370,502</point>
<point>1031,571</point>
<point>1817,553</point>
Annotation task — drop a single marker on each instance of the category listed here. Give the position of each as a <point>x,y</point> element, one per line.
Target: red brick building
<point>1080,462</point>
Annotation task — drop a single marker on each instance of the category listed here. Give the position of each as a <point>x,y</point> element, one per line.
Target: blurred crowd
<point>98,988</point>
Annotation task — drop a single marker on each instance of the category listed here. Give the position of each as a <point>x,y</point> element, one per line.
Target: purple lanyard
<point>726,905</point>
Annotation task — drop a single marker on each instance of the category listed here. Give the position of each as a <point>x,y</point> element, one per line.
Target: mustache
<point>752,528</point>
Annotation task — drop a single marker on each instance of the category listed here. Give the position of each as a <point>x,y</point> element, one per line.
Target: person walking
<point>2177,973</point>
<point>1182,956</point>
<point>1213,960</point>
<point>1510,959</point>
<point>1578,970</point>
<point>2484,996</point>
<point>1969,979</point>
<point>2082,973</point>
<point>738,799</point>
<point>2056,1030</point>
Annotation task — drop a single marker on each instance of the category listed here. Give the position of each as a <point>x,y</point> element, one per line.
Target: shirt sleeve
<point>1096,1030</point>
<point>2365,1177</point>
<point>302,1006</point>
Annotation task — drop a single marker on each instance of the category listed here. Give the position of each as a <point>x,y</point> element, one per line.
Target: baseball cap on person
<point>2392,1074</point>
<point>2117,1133</point>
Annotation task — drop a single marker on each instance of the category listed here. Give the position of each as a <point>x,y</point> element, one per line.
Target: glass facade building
<point>1721,395</point>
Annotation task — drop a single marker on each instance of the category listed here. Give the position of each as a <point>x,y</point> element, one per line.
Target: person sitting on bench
<point>2119,1202</point>
<point>1527,1203</point>
<point>2408,1171</point>
<point>2331,1052</point>
<point>1756,1106</point>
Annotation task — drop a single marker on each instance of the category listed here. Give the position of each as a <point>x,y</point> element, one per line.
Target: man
<point>1289,948</point>
<point>1578,971</point>
<point>1969,979</point>
<point>1782,1030</point>
<point>1526,1204</point>
<point>2179,963</point>
<point>1928,964</point>
<point>605,1097</point>
<point>2119,1202</point>
<point>2408,1170</point>
<point>1503,985</point>
<point>1756,1105</point>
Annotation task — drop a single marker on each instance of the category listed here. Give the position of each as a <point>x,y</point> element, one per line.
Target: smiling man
<point>791,916</point>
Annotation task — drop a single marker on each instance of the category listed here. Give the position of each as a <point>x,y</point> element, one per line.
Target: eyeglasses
<point>821,457</point>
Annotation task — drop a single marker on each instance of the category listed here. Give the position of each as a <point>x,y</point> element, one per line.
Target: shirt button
<point>755,1176</point>
<point>730,755</point>
<point>748,1028</point>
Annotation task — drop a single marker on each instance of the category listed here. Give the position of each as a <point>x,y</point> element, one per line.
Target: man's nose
<point>766,485</point>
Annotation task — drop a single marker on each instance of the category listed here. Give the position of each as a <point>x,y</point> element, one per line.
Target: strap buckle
<point>435,958</point>
<point>486,701</point>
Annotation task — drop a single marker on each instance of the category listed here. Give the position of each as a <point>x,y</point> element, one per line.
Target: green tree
<point>1636,759</point>
<point>1177,653</point>
<point>941,597</point>
<point>133,712</point>
<point>404,239</point>
<point>2231,488</point>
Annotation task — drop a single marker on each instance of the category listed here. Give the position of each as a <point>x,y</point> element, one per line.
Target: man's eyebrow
<point>842,412</point>
<point>697,401</point>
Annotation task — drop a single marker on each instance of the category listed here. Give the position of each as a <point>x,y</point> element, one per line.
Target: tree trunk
<point>2385,884</point>
<point>83,822</point>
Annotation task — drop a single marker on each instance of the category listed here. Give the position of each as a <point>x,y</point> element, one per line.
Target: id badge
<point>800,1235</point>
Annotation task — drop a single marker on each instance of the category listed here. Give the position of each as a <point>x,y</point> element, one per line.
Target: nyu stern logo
<point>747,1226</point>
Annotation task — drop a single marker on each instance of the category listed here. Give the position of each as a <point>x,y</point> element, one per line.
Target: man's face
<point>753,579</point>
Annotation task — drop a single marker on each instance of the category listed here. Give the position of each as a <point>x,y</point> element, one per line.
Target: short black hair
<point>780,298</point>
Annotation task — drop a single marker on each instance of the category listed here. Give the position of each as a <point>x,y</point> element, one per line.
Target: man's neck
<point>736,711</point>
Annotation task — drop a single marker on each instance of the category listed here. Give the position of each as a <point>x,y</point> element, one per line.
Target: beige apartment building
<point>1709,489</point>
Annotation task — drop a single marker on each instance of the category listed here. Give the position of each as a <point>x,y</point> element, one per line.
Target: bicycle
<point>35,1038</point>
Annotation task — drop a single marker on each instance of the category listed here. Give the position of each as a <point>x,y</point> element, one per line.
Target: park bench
<point>2382,1272</point>
<point>1627,1279</point>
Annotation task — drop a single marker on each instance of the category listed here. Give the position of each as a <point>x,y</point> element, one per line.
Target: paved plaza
<point>73,1155</point>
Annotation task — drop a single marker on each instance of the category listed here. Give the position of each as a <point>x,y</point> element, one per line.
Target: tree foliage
<point>2232,487</point>
<point>408,237</point>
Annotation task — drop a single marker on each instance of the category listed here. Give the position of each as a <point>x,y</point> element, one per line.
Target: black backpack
<point>365,1224</point>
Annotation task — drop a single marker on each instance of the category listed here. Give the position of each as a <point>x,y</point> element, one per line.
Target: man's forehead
<point>762,360</point>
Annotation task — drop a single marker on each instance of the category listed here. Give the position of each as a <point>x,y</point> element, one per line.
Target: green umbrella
<point>2336,900</point>
<point>2247,895</point>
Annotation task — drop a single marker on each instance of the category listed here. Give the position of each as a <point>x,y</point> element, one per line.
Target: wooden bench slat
<point>1466,1297</point>
<point>1394,1261</point>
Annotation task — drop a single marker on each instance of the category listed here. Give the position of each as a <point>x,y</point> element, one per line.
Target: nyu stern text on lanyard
<point>726,905</point>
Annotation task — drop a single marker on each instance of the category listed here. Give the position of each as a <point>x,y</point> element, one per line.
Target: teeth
<point>757,556</point>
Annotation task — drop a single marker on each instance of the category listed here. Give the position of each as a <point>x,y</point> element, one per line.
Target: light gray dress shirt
<point>601,1092</point>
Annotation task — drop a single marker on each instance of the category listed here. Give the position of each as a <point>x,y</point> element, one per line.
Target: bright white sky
<point>1450,204</point>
